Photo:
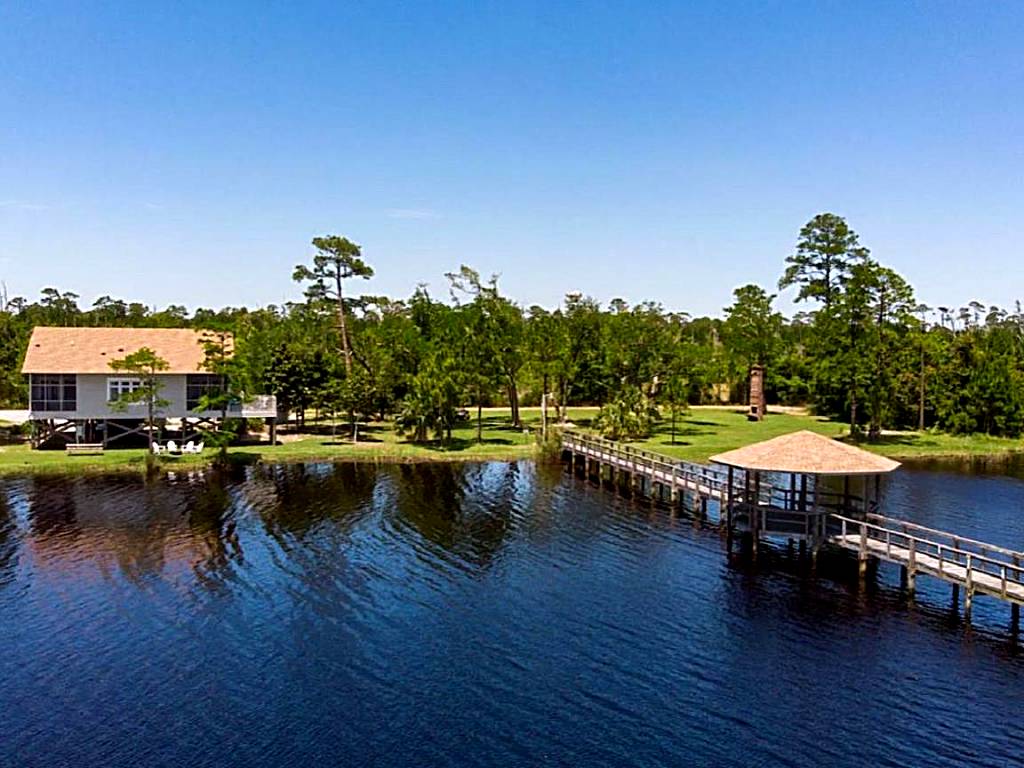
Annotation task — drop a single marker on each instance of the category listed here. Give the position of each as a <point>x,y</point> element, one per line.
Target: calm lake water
<point>477,615</point>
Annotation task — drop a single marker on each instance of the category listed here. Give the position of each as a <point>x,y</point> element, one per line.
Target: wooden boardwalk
<point>976,567</point>
<point>673,474</point>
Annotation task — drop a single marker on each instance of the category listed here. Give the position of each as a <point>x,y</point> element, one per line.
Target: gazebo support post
<point>816,533</point>
<point>755,513</point>
<point>728,512</point>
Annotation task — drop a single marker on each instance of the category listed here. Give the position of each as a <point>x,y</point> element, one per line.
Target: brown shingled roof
<point>807,453</point>
<point>90,350</point>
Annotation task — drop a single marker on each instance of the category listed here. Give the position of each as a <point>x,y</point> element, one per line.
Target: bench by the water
<point>808,510</point>
<point>84,449</point>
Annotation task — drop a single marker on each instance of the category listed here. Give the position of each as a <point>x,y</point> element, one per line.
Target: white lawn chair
<point>190,447</point>
<point>199,447</point>
<point>157,450</point>
<point>172,447</point>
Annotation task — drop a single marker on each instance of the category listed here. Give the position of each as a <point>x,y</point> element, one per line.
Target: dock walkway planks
<point>953,572</point>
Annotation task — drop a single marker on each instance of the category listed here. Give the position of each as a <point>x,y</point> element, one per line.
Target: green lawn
<point>377,442</point>
<point>701,433</point>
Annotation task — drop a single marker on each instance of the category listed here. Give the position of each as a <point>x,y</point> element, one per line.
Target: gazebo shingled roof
<point>806,453</point>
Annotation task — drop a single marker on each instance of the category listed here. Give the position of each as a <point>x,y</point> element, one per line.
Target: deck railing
<point>254,407</point>
<point>779,521</point>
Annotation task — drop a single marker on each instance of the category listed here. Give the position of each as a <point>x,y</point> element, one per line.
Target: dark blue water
<point>483,615</point>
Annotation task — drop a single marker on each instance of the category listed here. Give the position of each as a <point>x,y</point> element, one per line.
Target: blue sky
<point>663,151</point>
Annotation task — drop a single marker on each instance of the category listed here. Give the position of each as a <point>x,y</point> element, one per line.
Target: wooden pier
<point>659,471</point>
<point>809,511</point>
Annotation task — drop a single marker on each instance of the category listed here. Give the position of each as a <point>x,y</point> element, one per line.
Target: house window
<point>198,386</point>
<point>118,388</point>
<point>54,392</point>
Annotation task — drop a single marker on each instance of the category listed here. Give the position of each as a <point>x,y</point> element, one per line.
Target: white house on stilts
<point>72,386</point>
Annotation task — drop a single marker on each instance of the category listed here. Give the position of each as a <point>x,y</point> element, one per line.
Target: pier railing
<point>977,564</point>
<point>665,469</point>
<point>950,540</point>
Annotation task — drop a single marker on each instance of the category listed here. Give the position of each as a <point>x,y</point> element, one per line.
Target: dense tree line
<point>864,351</point>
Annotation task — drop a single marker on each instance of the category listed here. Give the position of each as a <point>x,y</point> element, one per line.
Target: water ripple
<point>477,615</point>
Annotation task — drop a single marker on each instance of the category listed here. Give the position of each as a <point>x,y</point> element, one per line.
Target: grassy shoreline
<point>702,432</point>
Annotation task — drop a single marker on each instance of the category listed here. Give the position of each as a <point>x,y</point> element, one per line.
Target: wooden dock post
<point>968,591</point>
<point>862,555</point>
<point>1015,618</point>
<point>911,580</point>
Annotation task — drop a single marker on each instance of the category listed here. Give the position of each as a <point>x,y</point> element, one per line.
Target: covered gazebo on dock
<point>824,476</point>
